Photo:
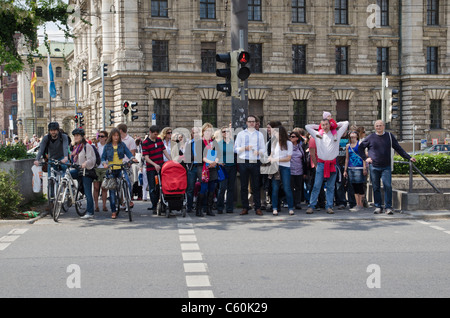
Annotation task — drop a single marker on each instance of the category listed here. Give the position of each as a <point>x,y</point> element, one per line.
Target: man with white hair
<point>378,145</point>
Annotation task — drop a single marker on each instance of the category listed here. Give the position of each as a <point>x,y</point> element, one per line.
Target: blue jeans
<point>385,174</point>
<point>330,183</point>
<point>87,186</point>
<point>112,193</point>
<point>285,176</point>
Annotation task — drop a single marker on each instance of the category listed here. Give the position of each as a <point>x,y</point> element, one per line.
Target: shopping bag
<point>36,180</point>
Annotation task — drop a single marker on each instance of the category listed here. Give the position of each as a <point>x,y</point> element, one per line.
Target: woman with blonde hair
<point>166,137</point>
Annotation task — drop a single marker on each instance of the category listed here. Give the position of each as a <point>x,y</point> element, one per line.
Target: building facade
<point>8,104</point>
<point>36,116</point>
<point>306,57</point>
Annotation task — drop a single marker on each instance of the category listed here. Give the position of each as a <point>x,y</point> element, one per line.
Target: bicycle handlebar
<point>59,163</point>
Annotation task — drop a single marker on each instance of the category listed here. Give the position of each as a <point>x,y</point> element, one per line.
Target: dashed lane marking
<point>196,270</point>
<point>12,235</point>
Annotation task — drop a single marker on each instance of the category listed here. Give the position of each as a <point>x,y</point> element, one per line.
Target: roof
<point>57,49</point>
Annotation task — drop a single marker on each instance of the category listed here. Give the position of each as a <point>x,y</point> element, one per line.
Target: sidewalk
<point>140,212</point>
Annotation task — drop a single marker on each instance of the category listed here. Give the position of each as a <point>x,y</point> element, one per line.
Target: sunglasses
<point>101,136</point>
<point>293,136</point>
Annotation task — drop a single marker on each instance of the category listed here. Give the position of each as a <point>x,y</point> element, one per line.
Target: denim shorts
<point>356,175</point>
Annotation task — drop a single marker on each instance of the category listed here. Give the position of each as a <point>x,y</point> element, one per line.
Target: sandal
<point>114,215</point>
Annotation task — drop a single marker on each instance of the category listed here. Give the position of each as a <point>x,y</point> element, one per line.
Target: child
<point>333,126</point>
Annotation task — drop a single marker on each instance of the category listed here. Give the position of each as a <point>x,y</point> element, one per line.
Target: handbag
<point>109,183</point>
<point>221,173</point>
<point>90,173</point>
<point>205,173</point>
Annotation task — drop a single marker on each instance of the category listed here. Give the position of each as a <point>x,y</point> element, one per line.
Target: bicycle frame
<point>55,175</point>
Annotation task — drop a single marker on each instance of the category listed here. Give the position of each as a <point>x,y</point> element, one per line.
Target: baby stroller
<point>173,184</point>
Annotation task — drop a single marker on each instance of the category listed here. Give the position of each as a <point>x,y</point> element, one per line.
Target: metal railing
<point>412,167</point>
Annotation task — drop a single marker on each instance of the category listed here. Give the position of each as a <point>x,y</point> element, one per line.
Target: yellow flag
<point>33,81</point>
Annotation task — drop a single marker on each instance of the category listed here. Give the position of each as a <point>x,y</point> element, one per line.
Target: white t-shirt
<point>131,144</point>
<point>277,153</point>
<point>327,146</point>
<point>100,152</point>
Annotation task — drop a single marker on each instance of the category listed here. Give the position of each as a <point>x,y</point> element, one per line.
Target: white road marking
<point>12,235</point>
<point>195,268</point>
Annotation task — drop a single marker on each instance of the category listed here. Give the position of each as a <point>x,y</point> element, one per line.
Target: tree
<point>23,19</point>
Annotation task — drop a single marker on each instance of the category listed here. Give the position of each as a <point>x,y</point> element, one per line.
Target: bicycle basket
<point>109,183</point>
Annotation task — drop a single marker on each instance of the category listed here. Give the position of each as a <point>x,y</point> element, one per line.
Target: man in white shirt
<point>249,147</point>
<point>327,151</point>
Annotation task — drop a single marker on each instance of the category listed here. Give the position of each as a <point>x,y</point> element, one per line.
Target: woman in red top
<point>207,172</point>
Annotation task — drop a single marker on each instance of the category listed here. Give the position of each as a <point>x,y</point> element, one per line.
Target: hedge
<point>17,151</point>
<point>427,164</point>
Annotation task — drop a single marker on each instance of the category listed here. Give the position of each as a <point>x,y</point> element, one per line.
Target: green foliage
<point>17,151</point>
<point>10,197</point>
<point>24,17</point>
<point>427,164</point>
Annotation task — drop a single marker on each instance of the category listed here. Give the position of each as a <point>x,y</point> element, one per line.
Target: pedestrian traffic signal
<point>391,104</point>
<point>126,108</point>
<point>111,117</point>
<point>224,72</point>
<point>81,118</point>
<point>75,118</point>
<point>105,69</point>
<point>83,75</point>
<point>134,111</point>
<point>244,71</point>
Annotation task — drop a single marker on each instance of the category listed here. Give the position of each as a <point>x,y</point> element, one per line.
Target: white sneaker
<point>275,212</point>
<point>389,211</point>
<point>87,216</point>
<point>356,208</point>
<point>377,211</point>
<point>291,212</point>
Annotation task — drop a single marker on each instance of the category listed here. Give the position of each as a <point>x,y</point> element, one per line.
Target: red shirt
<point>154,150</point>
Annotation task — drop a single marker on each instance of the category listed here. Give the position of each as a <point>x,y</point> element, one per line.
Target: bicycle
<point>122,190</point>
<point>66,195</point>
<point>53,180</point>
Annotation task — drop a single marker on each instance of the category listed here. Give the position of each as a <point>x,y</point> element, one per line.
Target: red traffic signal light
<point>243,58</point>
<point>126,105</point>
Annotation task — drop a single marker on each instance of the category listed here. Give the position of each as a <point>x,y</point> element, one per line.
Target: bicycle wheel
<point>80,202</point>
<point>126,199</point>
<point>59,200</point>
<point>50,186</point>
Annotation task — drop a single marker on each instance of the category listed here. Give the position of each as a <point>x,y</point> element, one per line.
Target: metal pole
<point>239,40</point>
<point>76,97</point>
<point>383,97</point>
<point>103,96</point>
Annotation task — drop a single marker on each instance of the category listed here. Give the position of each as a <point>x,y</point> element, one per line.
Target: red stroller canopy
<point>173,178</point>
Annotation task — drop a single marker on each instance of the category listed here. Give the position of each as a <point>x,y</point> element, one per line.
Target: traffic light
<point>391,104</point>
<point>83,75</point>
<point>111,117</point>
<point>244,71</point>
<point>105,69</point>
<point>81,117</point>
<point>126,108</point>
<point>224,72</point>
<point>76,120</point>
<point>134,111</point>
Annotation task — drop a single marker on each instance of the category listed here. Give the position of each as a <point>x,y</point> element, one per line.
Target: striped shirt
<point>154,150</point>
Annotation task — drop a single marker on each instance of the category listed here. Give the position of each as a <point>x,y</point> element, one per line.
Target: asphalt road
<point>227,256</point>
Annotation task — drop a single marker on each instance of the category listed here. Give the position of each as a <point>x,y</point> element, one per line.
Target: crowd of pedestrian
<point>323,166</point>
